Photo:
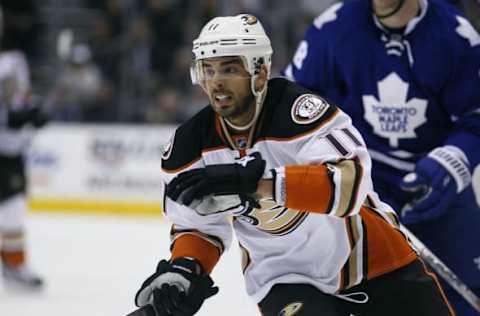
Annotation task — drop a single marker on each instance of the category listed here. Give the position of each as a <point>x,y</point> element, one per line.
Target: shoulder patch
<point>308,108</point>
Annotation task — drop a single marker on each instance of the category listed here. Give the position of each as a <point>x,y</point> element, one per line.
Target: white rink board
<point>93,266</point>
<point>101,162</point>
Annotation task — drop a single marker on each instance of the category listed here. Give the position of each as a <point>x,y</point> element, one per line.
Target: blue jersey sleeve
<point>461,95</point>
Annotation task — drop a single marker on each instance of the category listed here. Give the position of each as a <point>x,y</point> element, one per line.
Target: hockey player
<point>15,113</point>
<point>295,175</point>
<point>408,74</point>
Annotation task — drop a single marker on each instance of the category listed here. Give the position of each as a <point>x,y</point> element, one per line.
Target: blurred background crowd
<point>128,60</point>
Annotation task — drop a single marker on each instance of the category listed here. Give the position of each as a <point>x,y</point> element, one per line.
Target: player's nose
<point>218,83</point>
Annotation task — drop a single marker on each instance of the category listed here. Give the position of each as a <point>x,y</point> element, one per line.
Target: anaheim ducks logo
<point>308,108</point>
<point>249,19</point>
<point>291,309</point>
<point>274,219</point>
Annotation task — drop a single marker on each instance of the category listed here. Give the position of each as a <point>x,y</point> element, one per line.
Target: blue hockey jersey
<point>407,92</point>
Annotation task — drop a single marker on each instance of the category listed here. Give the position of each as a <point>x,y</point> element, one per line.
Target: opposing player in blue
<point>408,73</point>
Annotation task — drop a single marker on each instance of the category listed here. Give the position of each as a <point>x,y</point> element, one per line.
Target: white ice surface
<point>93,266</point>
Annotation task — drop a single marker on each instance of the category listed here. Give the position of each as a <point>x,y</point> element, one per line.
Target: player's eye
<point>209,72</point>
<point>230,70</point>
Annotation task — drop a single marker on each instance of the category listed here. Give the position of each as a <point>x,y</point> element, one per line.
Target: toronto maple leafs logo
<point>393,116</point>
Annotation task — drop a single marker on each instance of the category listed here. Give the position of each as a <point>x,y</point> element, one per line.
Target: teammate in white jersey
<point>15,113</point>
<point>295,175</point>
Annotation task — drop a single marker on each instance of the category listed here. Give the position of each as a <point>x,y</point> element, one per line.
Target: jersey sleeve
<point>333,175</point>
<point>192,235</point>
<point>312,65</point>
<point>461,96</point>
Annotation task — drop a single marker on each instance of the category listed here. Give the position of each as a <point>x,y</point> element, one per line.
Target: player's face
<point>227,83</point>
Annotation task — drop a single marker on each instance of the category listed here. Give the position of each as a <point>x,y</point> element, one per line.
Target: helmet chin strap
<point>259,96</point>
<point>391,13</point>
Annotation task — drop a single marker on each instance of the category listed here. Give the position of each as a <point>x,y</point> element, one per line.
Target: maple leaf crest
<point>392,116</point>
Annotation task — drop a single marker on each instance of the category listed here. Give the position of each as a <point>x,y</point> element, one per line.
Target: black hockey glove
<point>29,115</point>
<point>237,178</point>
<point>177,288</point>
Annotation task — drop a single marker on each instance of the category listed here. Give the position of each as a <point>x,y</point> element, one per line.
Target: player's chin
<point>224,110</point>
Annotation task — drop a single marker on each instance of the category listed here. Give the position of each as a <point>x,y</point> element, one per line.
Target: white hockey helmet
<point>241,35</point>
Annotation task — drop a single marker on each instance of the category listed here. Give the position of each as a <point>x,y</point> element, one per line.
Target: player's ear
<point>261,79</point>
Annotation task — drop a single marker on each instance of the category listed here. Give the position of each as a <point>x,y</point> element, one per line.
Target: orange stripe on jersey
<point>308,188</point>
<point>439,287</point>
<point>191,245</point>
<point>387,247</point>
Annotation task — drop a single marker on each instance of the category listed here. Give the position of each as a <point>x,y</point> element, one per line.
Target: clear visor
<point>218,68</point>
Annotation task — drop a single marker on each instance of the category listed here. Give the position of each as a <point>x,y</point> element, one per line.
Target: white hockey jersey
<point>326,226</point>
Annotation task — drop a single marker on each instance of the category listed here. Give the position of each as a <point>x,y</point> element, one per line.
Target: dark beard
<point>245,106</point>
